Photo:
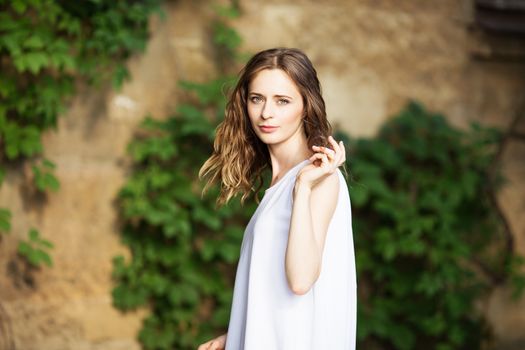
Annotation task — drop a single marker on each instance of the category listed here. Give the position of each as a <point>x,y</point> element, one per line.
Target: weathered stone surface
<point>371,56</point>
<point>507,319</point>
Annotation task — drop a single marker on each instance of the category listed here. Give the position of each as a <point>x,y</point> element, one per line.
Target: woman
<point>295,286</point>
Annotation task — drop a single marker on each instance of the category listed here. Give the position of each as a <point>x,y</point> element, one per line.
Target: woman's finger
<point>318,155</point>
<point>317,159</point>
<point>343,149</point>
<point>324,158</point>
<point>329,152</point>
<point>313,159</point>
<point>334,144</point>
<point>339,150</point>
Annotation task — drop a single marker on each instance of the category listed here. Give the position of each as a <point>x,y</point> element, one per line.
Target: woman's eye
<point>255,99</point>
<point>283,101</point>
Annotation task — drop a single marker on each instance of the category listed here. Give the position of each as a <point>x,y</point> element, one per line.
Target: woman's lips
<point>268,128</point>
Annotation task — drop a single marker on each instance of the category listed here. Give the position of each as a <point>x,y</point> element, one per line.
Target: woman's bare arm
<point>314,200</point>
<point>311,214</point>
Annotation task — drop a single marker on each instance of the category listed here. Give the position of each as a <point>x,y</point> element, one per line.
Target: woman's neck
<point>286,155</point>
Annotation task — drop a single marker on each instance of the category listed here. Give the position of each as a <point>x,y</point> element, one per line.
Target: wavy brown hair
<point>239,156</point>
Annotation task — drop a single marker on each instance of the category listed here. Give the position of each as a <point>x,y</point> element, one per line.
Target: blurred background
<point>108,108</point>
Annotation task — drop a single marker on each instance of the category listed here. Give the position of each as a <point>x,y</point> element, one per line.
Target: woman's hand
<point>324,162</point>
<point>218,343</point>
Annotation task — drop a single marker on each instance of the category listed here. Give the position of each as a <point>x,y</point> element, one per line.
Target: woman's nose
<point>267,111</point>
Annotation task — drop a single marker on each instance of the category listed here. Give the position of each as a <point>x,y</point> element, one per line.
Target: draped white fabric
<point>265,313</point>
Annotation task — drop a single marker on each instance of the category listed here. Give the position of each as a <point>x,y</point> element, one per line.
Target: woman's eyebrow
<point>258,94</point>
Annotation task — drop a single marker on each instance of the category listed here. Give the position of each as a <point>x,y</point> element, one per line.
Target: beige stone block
<point>355,100</point>
<point>507,317</point>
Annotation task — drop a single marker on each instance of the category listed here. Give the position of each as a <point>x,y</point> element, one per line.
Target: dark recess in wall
<point>501,26</point>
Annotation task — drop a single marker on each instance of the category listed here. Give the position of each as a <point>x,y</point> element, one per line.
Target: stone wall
<point>371,57</point>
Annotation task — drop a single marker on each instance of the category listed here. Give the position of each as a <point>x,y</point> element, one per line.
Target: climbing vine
<point>46,47</point>
<point>429,243</point>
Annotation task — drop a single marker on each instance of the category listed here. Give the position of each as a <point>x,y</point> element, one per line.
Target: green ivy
<point>35,249</point>
<point>47,46</point>
<point>428,242</point>
<point>183,248</point>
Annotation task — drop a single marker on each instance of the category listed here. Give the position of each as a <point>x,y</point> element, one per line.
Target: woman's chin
<point>269,141</point>
<point>268,138</point>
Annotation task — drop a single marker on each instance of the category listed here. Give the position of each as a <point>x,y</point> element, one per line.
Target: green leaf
<point>35,249</point>
<point>23,140</point>
<point>226,36</point>
<point>24,248</point>
<point>33,61</point>
<point>359,194</point>
<point>34,235</point>
<point>5,220</point>
<point>230,252</point>
<point>44,179</point>
<point>46,244</point>
<point>19,6</point>
<point>207,217</point>
<point>120,75</point>
<point>34,42</point>
<point>226,11</point>
<point>402,337</point>
<point>49,164</point>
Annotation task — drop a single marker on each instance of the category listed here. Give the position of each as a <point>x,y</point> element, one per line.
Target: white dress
<point>265,313</point>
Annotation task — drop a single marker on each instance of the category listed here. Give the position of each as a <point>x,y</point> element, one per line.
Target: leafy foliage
<point>183,248</point>
<point>35,249</point>
<point>45,45</point>
<point>428,243</point>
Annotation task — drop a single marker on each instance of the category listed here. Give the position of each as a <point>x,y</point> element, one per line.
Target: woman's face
<point>275,107</point>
